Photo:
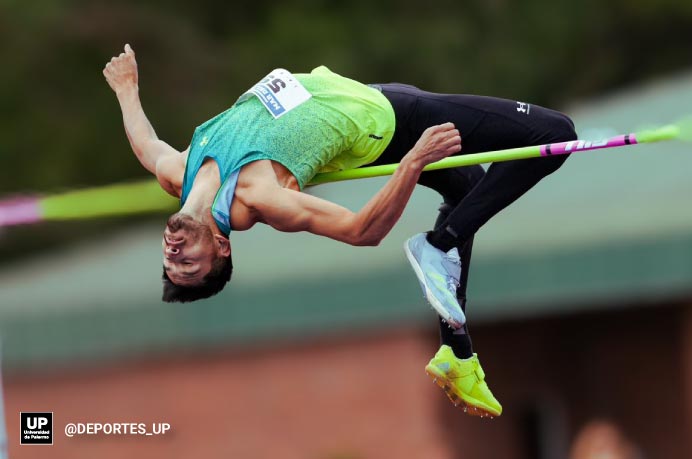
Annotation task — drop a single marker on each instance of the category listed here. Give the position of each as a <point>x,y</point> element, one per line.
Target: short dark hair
<point>212,283</point>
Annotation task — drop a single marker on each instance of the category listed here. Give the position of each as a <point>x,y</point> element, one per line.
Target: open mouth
<point>173,240</point>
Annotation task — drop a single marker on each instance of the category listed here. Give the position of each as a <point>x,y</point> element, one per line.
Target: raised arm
<point>288,210</point>
<point>155,155</point>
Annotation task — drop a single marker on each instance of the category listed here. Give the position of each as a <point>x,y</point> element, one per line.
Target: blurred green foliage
<point>60,124</point>
<point>61,127</point>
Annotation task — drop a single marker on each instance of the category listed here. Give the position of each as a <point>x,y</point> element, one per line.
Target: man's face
<point>188,250</point>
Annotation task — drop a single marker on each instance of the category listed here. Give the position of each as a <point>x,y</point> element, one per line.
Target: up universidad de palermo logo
<point>36,428</point>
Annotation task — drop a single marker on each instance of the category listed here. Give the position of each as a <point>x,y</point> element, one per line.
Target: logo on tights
<point>524,107</point>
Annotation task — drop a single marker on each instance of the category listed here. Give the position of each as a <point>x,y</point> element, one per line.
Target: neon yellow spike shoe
<point>463,380</point>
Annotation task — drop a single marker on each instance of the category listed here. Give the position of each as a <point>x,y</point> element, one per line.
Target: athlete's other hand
<point>121,71</point>
<point>436,143</point>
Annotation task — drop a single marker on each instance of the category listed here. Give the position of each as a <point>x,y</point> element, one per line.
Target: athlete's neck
<point>201,198</point>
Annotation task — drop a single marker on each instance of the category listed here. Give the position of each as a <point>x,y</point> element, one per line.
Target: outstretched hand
<point>121,71</point>
<point>436,143</point>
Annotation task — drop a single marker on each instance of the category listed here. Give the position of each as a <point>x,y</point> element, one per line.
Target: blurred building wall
<point>366,396</point>
<point>345,398</point>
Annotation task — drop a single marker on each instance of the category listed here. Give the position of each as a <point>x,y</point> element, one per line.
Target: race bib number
<point>279,92</point>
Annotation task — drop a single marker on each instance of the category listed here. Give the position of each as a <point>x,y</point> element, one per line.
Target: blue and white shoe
<point>438,274</point>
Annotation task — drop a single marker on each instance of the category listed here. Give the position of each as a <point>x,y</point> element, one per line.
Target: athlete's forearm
<point>122,76</point>
<point>377,218</point>
<point>139,130</point>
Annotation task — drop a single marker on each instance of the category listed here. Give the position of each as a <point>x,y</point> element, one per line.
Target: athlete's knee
<point>562,128</point>
<point>538,167</point>
<point>552,163</point>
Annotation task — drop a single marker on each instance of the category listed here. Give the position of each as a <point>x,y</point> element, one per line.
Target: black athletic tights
<point>472,196</point>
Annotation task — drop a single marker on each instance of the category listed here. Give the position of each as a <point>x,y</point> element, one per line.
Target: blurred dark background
<point>61,126</point>
<point>59,122</point>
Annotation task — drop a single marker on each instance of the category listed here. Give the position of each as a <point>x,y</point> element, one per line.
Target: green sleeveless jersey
<point>344,125</point>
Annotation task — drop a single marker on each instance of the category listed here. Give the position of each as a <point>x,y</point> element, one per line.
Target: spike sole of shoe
<point>471,406</point>
<point>429,297</point>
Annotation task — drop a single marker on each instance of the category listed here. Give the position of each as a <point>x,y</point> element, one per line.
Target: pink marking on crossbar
<point>19,211</point>
<point>562,148</point>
